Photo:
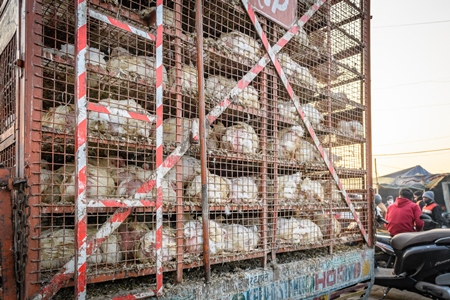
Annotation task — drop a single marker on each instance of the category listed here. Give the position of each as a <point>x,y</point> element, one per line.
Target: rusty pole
<point>9,290</point>
<point>202,114</point>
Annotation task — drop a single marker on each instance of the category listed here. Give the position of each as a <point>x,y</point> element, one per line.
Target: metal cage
<point>166,135</point>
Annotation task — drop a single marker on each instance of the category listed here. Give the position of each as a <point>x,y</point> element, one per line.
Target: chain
<point>21,212</point>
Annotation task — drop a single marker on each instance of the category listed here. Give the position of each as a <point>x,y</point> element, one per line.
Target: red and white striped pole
<point>173,158</point>
<point>159,144</point>
<point>308,125</point>
<point>80,149</point>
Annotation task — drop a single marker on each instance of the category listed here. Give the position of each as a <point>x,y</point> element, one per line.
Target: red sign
<point>283,12</point>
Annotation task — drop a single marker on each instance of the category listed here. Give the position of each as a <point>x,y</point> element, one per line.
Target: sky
<point>410,61</point>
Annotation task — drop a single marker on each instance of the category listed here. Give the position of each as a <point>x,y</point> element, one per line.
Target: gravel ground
<point>394,294</point>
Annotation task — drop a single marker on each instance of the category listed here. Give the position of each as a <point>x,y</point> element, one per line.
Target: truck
<point>185,149</point>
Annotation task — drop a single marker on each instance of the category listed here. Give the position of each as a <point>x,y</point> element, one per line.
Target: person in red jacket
<point>404,215</point>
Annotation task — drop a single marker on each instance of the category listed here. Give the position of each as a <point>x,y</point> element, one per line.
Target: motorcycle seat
<point>404,240</point>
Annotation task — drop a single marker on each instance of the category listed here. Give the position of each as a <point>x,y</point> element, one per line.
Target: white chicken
<point>296,73</point>
<point>49,184</point>
<point>323,221</point>
<point>241,138</point>
<point>289,140</point>
<point>168,16</point>
<point>243,190</point>
<point>312,189</point>
<point>287,110</point>
<point>313,115</point>
<point>289,186</point>
<point>109,251</point>
<point>189,79</point>
<point>312,233</point>
<point>239,47</point>
<point>193,238</point>
<point>99,183</point>
<point>145,248</point>
<point>117,122</point>
<point>130,234</point>
<point>191,167</point>
<point>289,231</point>
<point>170,129</point>
<point>218,87</point>
<point>93,55</point>
<point>307,153</point>
<point>124,65</point>
<point>57,247</point>
<point>218,189</point>
<point>241,238</point>
<point>351,128</point>
<point>61,118</point>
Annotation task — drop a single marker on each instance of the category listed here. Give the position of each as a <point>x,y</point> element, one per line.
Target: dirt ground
<point>394,294</point>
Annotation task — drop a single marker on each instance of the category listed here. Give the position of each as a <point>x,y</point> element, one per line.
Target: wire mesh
<point>269,190</point>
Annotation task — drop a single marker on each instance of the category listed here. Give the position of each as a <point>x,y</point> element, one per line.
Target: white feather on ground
<point>241,138</point>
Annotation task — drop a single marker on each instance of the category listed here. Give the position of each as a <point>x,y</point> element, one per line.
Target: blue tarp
<point>415,177</point>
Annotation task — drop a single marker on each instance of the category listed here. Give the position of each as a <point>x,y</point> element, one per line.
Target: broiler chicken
<point>239,47</point>
<point>218,87</point>
<point>323,221</point>
<point>145,248</point>
<point>109,251</point>
<point>61,118</point>
<point>313,190</point>
<point>49,184</point>
<point>122,64</point>
<point>241,138</point>
<point>117,122</point>
<point>130,234</point>
<point>170,129</point>
<point>189,82</point>
<point>298,74</point>
<point>313,115</point>
<point>307,153</point>
<point>311,232</point>
<point>351,128</point>
<point>289,186</point>
<point>243,190</point>
<point>168,16</point>
<point>241,238</point>
<point>191,167</point>
<point>193,238</point>
<point>99,183</point>
<point>289,140</point>
<point>288,230</point>
<point>218,189</point>
<point>57,247</point>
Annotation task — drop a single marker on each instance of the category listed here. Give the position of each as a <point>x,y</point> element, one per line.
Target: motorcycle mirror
<point>425,218</point>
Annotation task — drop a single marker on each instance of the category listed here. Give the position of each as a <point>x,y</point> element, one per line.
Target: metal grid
<point>269,189</point>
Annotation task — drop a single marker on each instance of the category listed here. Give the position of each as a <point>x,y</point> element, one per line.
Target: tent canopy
<point>415,177</point>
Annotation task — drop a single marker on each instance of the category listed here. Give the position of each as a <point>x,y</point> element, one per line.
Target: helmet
<point>377,199</point>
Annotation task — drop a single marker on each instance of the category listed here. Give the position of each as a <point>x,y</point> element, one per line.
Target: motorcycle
<point>384,254</point>
<point>422,264</point>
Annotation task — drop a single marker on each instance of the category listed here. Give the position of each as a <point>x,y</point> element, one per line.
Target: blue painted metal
<point>314,278</point>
